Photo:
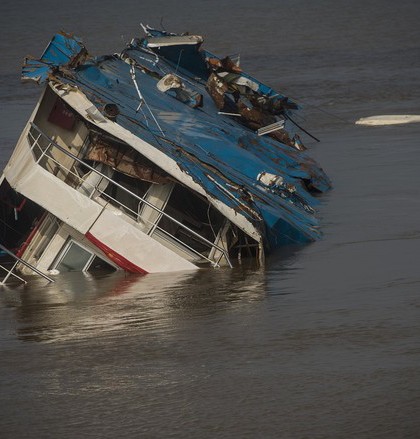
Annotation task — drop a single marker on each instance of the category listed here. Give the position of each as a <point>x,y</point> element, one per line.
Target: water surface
<point>323,342</point>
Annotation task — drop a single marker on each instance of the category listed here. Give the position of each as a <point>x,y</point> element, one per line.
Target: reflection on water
<point>79,306</point>
<point>83,305</point>
<point>246,352</point>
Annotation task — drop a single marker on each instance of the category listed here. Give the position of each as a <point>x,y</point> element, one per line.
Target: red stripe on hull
<point>115,257</point>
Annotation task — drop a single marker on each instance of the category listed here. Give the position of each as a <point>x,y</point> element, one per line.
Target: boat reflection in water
<point>82,306</point>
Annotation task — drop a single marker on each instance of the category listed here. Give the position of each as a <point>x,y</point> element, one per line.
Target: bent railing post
<point>26,264</point>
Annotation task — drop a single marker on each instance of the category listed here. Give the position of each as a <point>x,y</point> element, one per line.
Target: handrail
<point>141,199</point>
<point>10,273</point>
<point>26,264</point>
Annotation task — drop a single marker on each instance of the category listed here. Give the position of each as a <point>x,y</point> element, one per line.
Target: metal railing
<point>10,271</point>
<point>42,147</point>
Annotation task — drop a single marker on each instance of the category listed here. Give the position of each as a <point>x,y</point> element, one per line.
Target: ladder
<point>279,125</point>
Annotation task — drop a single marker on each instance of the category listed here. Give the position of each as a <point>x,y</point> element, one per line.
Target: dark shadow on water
<point>284,257</point>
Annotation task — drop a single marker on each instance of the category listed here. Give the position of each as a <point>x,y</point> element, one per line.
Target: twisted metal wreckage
<point>163,157</point>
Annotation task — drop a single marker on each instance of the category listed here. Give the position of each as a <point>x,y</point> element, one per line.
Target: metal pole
<point>26,264</point>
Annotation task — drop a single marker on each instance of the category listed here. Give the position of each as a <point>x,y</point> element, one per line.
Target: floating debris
<point>388,120</point>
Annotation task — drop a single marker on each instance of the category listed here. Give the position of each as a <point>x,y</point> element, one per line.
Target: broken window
<point>123,158</point>
<point>75,257</point>
<point>196,214</point>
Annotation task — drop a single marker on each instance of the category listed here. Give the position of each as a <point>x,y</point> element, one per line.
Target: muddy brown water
<point>323,342</point>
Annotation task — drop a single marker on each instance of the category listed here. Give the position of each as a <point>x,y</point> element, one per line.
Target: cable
<point>302,129</point>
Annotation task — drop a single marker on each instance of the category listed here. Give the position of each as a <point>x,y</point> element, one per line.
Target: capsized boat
<point>163,157</point>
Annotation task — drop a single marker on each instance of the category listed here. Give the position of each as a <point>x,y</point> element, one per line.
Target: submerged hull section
<point>161,158</point>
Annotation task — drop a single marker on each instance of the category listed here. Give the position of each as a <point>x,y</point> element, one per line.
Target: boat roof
<point>226,159</point>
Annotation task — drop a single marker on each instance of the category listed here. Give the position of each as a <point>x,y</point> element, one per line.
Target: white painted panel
<point>37,184</point>
<point>137,247</point>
